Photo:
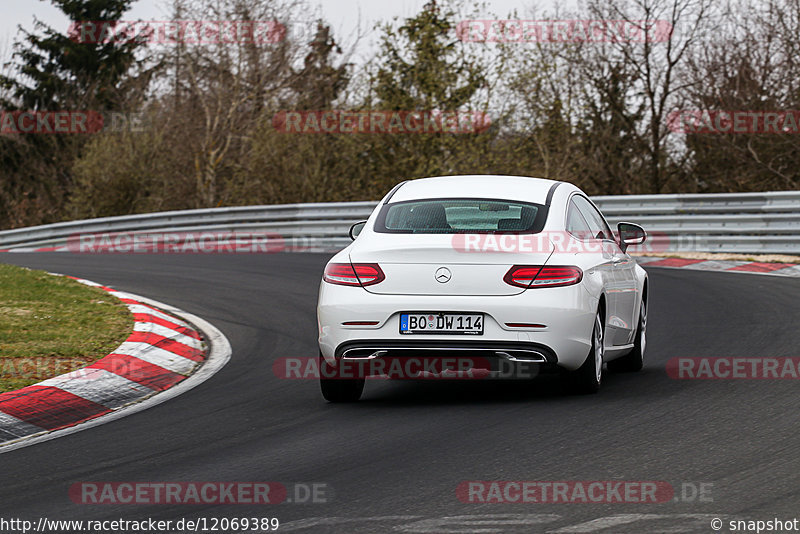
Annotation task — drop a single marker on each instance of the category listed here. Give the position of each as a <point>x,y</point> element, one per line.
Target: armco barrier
<point>767,223</point>
<point>763,223</point>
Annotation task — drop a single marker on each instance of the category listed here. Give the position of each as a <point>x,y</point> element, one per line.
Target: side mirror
<point>356,229</point>
<point>630,234</point>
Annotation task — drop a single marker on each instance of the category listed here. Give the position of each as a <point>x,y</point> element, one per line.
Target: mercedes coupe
<point>503,269</point>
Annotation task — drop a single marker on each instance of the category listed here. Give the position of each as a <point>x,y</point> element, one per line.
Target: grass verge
<point>50,325</point>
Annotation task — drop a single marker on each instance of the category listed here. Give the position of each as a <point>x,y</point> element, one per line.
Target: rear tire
<point>587,378</point>
<point>634,360</point>
<point>338,389</point>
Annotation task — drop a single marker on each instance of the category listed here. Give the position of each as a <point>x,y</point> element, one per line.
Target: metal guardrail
<point>750,223</point>
<point>767,223</point>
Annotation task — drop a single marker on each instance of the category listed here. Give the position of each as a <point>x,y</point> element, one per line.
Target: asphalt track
<point>392,462</point>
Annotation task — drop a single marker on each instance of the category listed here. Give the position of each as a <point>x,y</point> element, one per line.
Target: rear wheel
<point>634,360</point>
<point>587,378</point>
<point>338,389</point>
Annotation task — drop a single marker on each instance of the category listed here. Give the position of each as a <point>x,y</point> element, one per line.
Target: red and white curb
<point>753,267</point>
<point>163,357</point>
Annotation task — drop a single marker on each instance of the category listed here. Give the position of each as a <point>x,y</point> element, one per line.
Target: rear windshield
<point>452,216</point>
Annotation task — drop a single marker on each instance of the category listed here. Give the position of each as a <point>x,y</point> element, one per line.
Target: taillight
<point>533,276</point>
<point>353,274</point>
<point>521,275</point>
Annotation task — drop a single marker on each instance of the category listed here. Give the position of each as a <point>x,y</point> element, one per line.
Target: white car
<point>499,268</point>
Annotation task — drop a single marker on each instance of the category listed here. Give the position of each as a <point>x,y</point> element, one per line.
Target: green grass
<point>51,325</point>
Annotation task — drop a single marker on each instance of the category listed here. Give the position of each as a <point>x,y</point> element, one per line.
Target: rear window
<point>452,216</point>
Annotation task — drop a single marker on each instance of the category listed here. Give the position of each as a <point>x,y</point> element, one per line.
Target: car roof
<point>519,188</point>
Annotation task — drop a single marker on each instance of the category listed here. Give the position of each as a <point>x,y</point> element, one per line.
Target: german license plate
<point>441,323</point>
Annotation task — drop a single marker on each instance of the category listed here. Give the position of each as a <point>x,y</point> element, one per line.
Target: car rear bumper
<point>417,348</point>
<point>567,314</point>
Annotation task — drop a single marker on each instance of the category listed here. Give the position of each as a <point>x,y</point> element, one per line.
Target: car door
<point>592,234</point>
<point>621,287</point>
<point>627,292</point>
<point>624,271</point>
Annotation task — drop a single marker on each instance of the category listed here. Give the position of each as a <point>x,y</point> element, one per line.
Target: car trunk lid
<point>445,264</point>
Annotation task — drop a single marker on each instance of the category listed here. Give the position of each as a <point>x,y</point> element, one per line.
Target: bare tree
<point>546,91</point>
<point>750,66</point>
<point>222,89</point>
<point>5,67</point>
<point>656,64</point>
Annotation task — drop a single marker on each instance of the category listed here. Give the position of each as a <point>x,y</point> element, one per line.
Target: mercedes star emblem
<point>443,275</point>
